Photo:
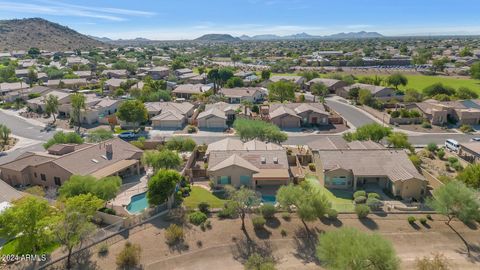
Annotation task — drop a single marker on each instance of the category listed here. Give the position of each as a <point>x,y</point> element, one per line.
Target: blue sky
<point>185,19</point>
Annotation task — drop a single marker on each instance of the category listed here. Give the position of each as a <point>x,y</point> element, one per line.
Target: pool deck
<point>123,199</point>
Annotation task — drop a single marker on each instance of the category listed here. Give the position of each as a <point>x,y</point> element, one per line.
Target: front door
<point>314,120</point>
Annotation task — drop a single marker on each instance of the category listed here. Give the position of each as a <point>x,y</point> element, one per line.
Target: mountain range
<point>351,35</point>
<point>22,34</point>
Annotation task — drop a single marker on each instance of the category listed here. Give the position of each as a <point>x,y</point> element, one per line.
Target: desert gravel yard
<point>222,245</point>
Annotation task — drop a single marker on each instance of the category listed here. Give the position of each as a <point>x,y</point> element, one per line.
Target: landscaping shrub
<point>423,220</point>
<point>426,125</point>
<point>191,129</point>
<point>204,207</point>
<point>208,224</point>
<point>311,166</point>
<point>395,114</point>
<point>441,153</point>
<point>283,233</point>
<point>411,219</point>
<point>129,257</point>
<point>103,249</point>
<point>374,203</point>
<point>267,210</point>
<point>258,222</point>
<point>373,195</point>
<point>197,218</point>
<point>109,211</point>
<point>362,210</point>
<point>174,234</point>
<point>429,217</point>
<point>228,211</point>
<point>359,193</point>
<point>432,147</point>
<point>286,216</point>
<point>332,213</point>
<point>360,199</point>
<point>466,129</point>
<point>452,160</point>
<point>257,261</point>
<point>457,166</point>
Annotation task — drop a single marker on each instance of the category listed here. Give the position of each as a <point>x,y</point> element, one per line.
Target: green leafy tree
<point>259,262</point>
<point>105,188</point>
<point>78,104</point>
<point>399,140</point>
<point>439,64</point>
<point>165,159</point>
<point>99,135</point>
<point>470,176</point>
<point>214,76</point>
<point>235,58</point>
<point>234,82</point>
<point>374,132</point>
<point>396,80</point>
<point>184,144</point>
<point>309,202</point>
<point>475,70</point>
<point>51,106</point>
<point>266,74</point>
<point>32,76</point>
<point>30,222</point>
<point>456,200</point>
<point>249,129</point>
<point>75,223</point>
<point>354,93</point>
<point>162,185</point>
<point>132,111</point>
<point>349,248</point>
<point>438,88</point>
<point>365,97</point>
<point>466,93</point>
<point>282,91</point>
<point>412,95</point>
<point>243,200</point>
<point>4,134</point>
<point>61,137</point>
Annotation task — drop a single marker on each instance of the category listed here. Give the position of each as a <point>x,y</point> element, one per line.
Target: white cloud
<point>46,7</point>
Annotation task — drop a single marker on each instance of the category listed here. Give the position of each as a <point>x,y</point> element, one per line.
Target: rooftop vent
<point>263,160</point>
<point>275,160</point>
<point>94,160</point>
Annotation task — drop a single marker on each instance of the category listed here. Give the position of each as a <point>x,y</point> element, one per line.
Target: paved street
<point>354,117</point>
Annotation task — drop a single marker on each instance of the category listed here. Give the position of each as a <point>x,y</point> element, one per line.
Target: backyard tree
<point>396,80</point>
<point>105,188</point>
<point>235,58</point>
<point>61,137</point>
<point>51,106</point>
<point>75,223</point>
<point>243,200</point>
<point>266,74</point>
<point>234,82</point>
<point>349,248</point>
<point>399,140</point>
<point>282,91</point>
<point>164,159</point>
<point>354,93</point>
<point>181,144</point>
<point>456,200</point>
<point>224,75</point>
<point>29,221</point>
<point>465,93</point>
<point>470,176</point>
<point>249,129</point>
<point>475,70</point>
<point>132,111</point>
<point>321,90</point>
<point>78,104</point>
<point>162,185</point>
<point>412,95</point>
<point>310,202</point>
<point>32,76</point>
<point>214,76</point>
<point>99,135</point>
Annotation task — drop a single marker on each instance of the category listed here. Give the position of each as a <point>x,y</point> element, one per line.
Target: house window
<point>224,180</point>
<point>245,180</point>
<point>43,177</point>
<point>339,181</point>
<point>57,181</point>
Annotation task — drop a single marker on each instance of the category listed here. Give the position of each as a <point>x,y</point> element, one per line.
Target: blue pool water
<point>138,203</point>
<point>269,199</point>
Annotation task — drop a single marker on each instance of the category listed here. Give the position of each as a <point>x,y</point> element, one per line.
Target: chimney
<point>109,149</point>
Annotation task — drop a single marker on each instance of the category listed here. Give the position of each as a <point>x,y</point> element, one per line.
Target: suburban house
<point>86,74</point>
<point>470,151</point>
<point>331,84</point>
<point>187,90</point>
<point>219,115</point>
<point>367,165</point>
<point>237,95</point>
<point>67,83</point>
<point>295,115</point>
<point>197,79</point>
<point>6,88</point>
<point>441,112</point>
<point>169,114</point>
<point>75,60</point>
<point>8,194</point>
<point>114,83</point>
<point>380,92</point>
<point>24,93</point>
<point>113,157</point>
<point>254,164</point>
<point>115,73</point>
<point>158,73</point>
<point>298,80</point>
<point>38,104</point>
<point>182,71</point>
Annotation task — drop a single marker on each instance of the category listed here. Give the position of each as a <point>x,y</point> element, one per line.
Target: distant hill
<point>352,35</point>
<point>36,32</point>
<point>218,38</point>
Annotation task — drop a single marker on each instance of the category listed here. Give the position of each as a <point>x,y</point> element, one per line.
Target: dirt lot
<point>224,246</point>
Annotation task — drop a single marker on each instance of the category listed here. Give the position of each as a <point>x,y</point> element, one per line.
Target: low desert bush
<point>362,210</point>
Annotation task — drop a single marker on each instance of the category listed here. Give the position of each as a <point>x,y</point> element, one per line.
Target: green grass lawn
<point>10,247</point>
<point>420,82</point>
<point>341,199</point>
<point>199,195</point>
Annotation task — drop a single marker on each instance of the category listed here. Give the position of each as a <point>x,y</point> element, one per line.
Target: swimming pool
<point>269,199</point>
<point>138,203</point>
